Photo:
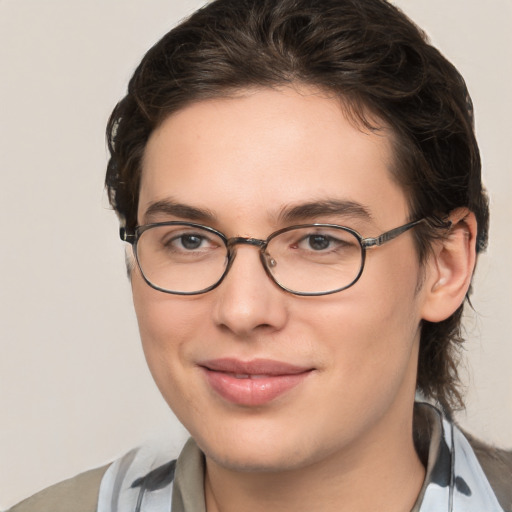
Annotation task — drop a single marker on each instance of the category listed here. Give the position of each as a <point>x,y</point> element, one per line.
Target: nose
<point>248,302</point>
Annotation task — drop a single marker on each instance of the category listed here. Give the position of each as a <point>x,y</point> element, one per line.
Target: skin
<point>344,434</point>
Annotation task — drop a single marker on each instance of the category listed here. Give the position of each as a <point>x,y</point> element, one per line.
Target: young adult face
<point>243,161</point>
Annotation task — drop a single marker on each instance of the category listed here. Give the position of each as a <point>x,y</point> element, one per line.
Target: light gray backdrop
<point>74,388</point>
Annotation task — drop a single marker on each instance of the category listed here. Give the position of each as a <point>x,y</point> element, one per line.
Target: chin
<point>256,461</point>
<point>257,453</point>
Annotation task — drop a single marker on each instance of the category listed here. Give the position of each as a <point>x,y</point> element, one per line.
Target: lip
<point>252,383</point>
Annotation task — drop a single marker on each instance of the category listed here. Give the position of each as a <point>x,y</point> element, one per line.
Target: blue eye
<point>318,242</point>
<point>191,242</point>
<point>177,241</point>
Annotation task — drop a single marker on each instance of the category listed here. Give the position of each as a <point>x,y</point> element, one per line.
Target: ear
<point>450,267</point>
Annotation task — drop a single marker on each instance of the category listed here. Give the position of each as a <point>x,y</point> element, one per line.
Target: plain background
<point>74,388</point>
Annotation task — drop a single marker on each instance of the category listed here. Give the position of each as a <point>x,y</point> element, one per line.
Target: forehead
<point>265,150</point>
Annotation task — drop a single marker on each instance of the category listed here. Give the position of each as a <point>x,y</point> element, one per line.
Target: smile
<point>252,383</point>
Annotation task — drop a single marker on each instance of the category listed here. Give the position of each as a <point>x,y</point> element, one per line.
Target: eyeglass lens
<point>313,259</point>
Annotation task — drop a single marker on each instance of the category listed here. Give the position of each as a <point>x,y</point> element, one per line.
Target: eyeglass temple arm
<point>366,242</point>
<point>393,233</point>
<point>125,236</point>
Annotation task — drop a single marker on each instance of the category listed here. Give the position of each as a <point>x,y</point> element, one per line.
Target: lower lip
<point>252,391</point>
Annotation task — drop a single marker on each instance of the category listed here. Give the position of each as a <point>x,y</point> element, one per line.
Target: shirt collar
<point>454,481</point>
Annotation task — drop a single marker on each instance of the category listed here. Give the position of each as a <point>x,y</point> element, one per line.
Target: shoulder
<point>497,466</point>
<point>78,494</point>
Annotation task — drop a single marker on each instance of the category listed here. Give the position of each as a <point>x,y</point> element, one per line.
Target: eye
<point>189,242</point>
<point>176,239</point>
<point>173,243</point>
<point>318,242</point>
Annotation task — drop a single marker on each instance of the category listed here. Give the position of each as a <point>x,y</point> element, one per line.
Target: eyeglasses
<point>186,258</point>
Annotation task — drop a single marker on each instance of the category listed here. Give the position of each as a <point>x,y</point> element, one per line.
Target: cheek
<point>164,318</point>
<point>374,326</point>
<point>391,279</point>
<point>166,322</point>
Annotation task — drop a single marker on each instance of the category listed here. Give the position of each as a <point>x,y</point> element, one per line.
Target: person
<point>298,183</point>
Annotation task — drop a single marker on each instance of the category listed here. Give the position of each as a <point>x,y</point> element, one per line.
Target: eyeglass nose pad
<point>271,262</point>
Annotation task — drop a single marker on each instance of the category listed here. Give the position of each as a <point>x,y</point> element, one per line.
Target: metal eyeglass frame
<point>365,243</point>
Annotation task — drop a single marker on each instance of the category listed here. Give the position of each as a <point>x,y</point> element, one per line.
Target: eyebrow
<point>313,209</point>
<point>170,208</point>
<point>294,213</point>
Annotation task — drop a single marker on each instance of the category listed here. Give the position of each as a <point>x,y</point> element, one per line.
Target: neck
<point>382,472</point>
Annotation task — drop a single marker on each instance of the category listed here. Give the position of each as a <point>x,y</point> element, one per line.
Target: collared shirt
<point>144,481</point>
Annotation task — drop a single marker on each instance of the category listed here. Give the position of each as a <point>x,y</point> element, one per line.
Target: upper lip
<point>253,367</point>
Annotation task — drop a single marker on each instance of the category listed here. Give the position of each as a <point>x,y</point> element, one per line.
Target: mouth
<point>252,383</point>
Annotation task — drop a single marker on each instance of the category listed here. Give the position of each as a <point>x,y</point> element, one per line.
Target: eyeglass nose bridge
<point>241,240</point>
<point>266,259</point>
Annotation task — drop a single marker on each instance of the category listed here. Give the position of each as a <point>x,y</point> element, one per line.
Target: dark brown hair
<point>367,53</point>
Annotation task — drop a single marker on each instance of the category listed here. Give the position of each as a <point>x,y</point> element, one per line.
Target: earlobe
<point>450,268</point>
